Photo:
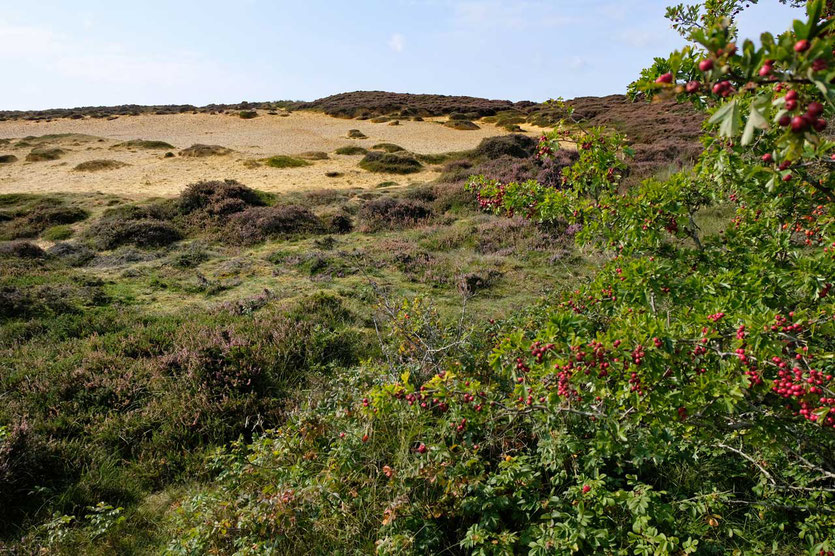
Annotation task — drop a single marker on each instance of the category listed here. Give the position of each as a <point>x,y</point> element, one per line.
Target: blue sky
<point>101,52</point>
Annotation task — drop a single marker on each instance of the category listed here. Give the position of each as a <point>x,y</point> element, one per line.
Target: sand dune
<point>149,174</point>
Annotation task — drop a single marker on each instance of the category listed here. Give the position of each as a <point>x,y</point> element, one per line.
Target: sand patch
<point>149,173</point>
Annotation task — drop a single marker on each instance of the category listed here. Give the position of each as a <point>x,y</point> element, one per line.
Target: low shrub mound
<point>338,223</point>
<point>356,134</point>
<point>146,227</point>
<point>143,144</point>
<point>258,224</point>
<point>463,125</point>
<point>282,161</point>
<point>7,158</point>
<point>30,219</point>
<point>390,163</point>
<point>389,213</point>
<point>99,165</point>
<point>351,150</point>
<point>517,146</point>
<point>199,151</point>
<point>247,114</point>
<point>44,154</point>
<point>313,155</point>
<point>203,202</point>
<point>21,249</point>
<point>388,147</point>
<point>73,254</point>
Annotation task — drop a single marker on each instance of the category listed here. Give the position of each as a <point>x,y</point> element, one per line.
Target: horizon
<point>93,54</point>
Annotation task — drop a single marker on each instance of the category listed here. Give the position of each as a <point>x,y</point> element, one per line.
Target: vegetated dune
<point>150,173</point>
<point>662,134</point>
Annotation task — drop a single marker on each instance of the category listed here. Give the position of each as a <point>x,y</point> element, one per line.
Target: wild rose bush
<point>681,401</point>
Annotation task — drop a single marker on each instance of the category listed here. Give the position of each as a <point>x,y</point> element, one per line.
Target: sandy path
<point>150,175</point>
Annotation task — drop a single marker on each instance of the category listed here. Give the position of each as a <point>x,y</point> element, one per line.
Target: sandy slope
<point>149,174</point>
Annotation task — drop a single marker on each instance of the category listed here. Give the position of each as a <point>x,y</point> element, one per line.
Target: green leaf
<point>755,121</point>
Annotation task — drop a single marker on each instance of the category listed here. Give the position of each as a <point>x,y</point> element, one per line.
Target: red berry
<point>799,123</point>
<point>787,177</point>
<point>814,109</point>
<point>586,489</point>
<point>692,87</point>
<point>791,95</point>
<point>765,70</point>
<point>784,120</point>
<point>706,65</point>
<point>791,105</point>
<point>665,78</point>
<point>365,438</point>
<point>801,46</point>
<point>422,448</point>
<point>819,125</point>
<point>767,157</point>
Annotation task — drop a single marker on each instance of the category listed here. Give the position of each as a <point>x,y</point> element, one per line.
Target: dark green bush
<point>42,154</point>
<point>351,150</point>
<point>390,163</point>
<point>281,161</point>
<point>517,146</point>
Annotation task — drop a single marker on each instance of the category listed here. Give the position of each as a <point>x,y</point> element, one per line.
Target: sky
<point>70,53</point>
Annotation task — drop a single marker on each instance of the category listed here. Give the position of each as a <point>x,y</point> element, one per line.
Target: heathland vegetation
<point>610,340</point>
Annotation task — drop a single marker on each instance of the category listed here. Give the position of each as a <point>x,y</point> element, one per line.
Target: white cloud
<point>577,63</point>
<point>397,42</point>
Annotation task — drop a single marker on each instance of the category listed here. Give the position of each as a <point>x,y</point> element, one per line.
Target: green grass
<point>282,161</point>
<point>58,233</point>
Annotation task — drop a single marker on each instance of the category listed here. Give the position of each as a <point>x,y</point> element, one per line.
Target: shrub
<point>143,144</point>
<point>99,165</point>
<point>516,146</point>
<point>139,226</point>
<point>73,254</point>
<point>7,158</point>
<point>391,213</point>
<point>314,155</point>
<point>199,151</point>
<point>388,147</point>
<point>338,223</point>
<point>351,150</point>
<point>356,134</point>
<point>282,161</point>
<point>21,249</point>
<point>257,224</point>
<point>247,114</point>
<point>463,125</point>
<point>42,154</point>
<point>217,198</point>
<point>390,163</point>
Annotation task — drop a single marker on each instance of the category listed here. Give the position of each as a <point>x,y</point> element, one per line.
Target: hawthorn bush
<point>681,401</point>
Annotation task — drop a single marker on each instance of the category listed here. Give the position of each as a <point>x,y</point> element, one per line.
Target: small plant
<point>247,114</point>
<point>351,151</point>
<point>7,159</point>
<point>42,154</point>
<point>356,134</point>
<point>282,161</point>
<point>390,163</point>
<point>99,165</point>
